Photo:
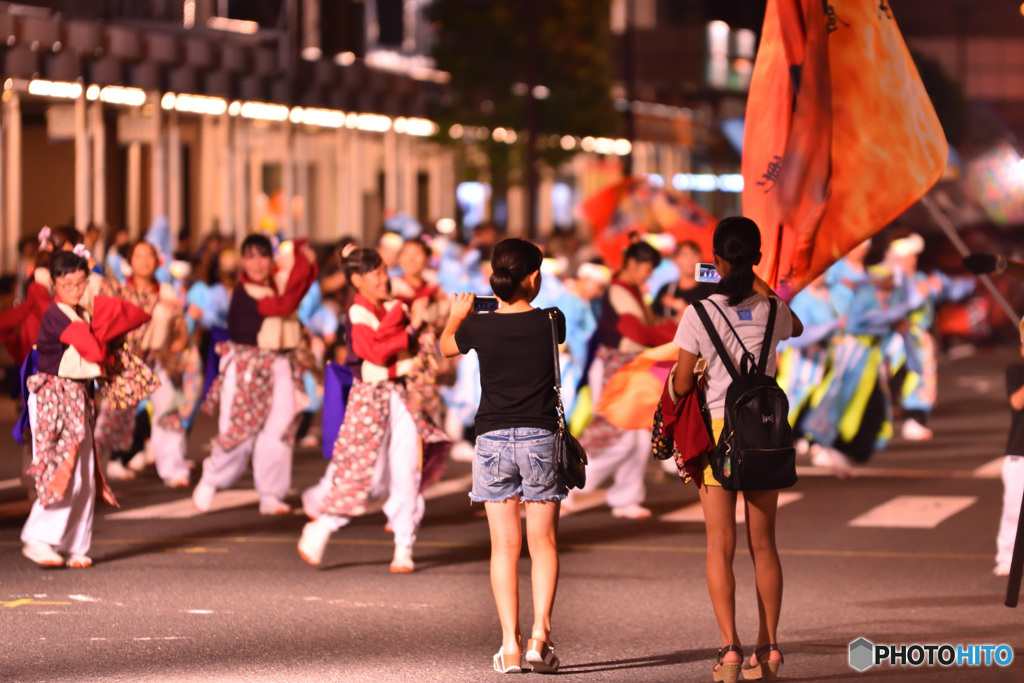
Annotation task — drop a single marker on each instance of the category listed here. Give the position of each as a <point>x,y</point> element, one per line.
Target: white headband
<point>595,272</point>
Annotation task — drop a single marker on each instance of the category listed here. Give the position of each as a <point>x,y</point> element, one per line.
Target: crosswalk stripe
<point>993,469</point>
<point>983,472</point>
<point>233,498</point>
<point>695,513</point>
<point>184,509</point>
<point>914,512</point>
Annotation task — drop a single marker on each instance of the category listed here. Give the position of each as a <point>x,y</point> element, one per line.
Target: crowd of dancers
<point>268,334</point>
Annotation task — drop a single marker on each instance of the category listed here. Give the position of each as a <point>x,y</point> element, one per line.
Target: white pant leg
<point>223,467</point>
<point>28,450</point>
<point>168,445</point>
<point>272,457</point>
<point>1013,493</point>
<point>67,525</point>
<point>404,506</point>
<point>625,461</point>
<point>595,378</point>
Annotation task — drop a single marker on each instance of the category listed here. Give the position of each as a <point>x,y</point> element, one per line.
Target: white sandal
<point>541,657</point>
<point>508,664</point>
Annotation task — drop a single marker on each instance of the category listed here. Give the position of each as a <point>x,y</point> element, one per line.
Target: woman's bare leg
<point>506,544</point>
<point>720,521</point>
<point>761,508</point>
<point>541,538</point>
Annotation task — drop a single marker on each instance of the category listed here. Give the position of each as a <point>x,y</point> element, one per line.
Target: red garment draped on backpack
<point>840,136</point>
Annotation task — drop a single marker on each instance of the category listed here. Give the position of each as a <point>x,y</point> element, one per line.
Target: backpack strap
<point>766,345</point>
<point>747,360</point>
<point>715,339</point>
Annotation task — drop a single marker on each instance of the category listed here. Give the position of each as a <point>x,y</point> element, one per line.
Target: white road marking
<point>82,598</point>
<point>184,509</point>
<point>448,486</point>
<point>695,513</point>
<point>199,611</point>
<point>993,469</point>
<point>10,484</point>
<point>97,639</point>
<point>234,498</point>
<point>900,473</point>
<point>914,512</point>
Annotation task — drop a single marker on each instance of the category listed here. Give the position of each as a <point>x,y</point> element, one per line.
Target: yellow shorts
<point>716,431</point>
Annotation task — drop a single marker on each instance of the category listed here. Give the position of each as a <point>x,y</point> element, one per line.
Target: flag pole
<point>946,224</point>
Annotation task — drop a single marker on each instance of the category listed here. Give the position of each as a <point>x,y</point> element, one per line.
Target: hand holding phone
<point>706,272</point>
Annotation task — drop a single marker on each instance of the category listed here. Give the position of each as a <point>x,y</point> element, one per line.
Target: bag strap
<point>554,349</point>
<point>766,344</point>
<point>558,367</point>
<point>716,340</point>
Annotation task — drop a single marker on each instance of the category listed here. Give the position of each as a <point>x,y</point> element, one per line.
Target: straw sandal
<point>541,657</point>
<point>767,669</point>
<point>727,672</point>
<point>508,664</point>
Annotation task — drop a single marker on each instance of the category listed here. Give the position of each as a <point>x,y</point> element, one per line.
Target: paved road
<point>224,597</point>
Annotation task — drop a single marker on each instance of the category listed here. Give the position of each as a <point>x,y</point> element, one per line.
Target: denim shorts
<point>515,462</point>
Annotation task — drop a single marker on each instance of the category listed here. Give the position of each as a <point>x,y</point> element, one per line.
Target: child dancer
<point>258,379</point>
<point>161,344</point>
<point>387,441</point>
<point>62,414</point>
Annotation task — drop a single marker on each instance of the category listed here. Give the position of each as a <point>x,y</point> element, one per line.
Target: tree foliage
<point>492,48</point>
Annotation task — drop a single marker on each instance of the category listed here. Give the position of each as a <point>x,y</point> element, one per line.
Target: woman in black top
<point>516,426</point>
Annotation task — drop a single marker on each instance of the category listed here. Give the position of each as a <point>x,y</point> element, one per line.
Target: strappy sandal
<point>508,664</point>
<point>541,657</point>
<point>768,669</point>
<point>727,672</point>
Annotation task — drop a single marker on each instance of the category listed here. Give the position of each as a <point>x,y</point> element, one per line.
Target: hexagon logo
<point>862,654</point>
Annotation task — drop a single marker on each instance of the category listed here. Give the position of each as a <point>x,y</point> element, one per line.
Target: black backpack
<point>755,451</point>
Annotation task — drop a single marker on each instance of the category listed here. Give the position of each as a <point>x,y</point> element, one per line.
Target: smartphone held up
<point>706,272</point>
<point>485,304</point>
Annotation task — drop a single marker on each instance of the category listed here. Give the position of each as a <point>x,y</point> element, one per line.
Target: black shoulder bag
<point>569,457</point>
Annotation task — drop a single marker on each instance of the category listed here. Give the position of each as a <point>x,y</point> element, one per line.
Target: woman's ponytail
<point>503,283</point>
<point>737,240</point>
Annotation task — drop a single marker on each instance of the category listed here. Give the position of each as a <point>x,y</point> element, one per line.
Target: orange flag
<point>631,396</point>
<point>840,135</point>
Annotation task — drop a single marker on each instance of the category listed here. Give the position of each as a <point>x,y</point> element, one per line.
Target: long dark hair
<point>512,261</point>
<point>737,240</point>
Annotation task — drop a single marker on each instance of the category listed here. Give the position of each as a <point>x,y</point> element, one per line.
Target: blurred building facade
<point>302,116</point>
<point>310,116</point>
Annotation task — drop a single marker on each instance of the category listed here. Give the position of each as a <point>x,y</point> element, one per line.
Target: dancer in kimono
<point>387,442</point>
<point>162,344</point>
<point>850,413</point>
<point>803,360</point>
<point>626,328</point>
<point>912,354</point>
<point>62,414</point>
<point>260,370</point>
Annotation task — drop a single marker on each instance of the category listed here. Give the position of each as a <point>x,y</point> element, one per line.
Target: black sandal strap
<point>764,649</point>
<point>729,648</point>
